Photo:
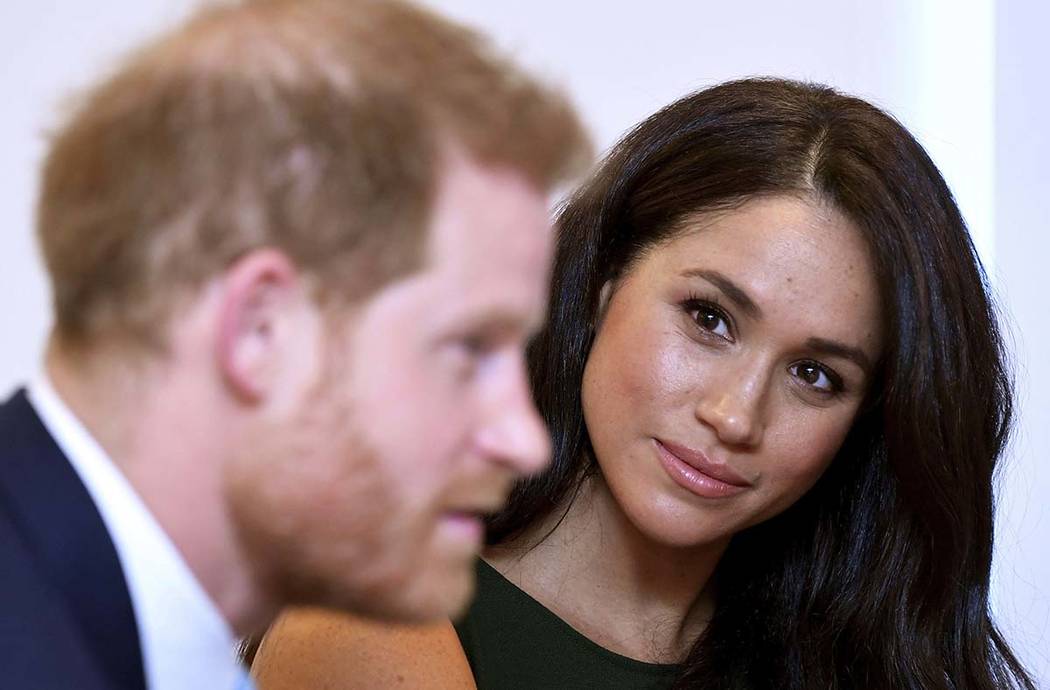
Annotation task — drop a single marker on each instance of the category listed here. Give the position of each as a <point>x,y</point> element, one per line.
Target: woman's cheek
<point>800,449</point>
<point>675,369</point>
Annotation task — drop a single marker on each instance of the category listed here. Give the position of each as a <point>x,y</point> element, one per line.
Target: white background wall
<point>967,77</point>
<point>1022,244</point>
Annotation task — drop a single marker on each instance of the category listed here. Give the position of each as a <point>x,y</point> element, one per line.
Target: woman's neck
<point>623,590</point>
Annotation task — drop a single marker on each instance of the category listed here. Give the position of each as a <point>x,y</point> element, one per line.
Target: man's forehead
<point>492,210</point>
<point>450,297</point>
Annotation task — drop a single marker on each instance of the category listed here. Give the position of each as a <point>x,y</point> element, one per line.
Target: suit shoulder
<point>40,646</point>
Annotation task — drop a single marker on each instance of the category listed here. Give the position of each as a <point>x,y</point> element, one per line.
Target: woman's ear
<point>603,303</point>
<point>260,293</point>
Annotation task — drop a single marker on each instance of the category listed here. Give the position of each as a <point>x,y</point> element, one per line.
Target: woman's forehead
<point>789,257</point>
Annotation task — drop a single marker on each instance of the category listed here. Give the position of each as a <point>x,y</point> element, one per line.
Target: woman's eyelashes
<point>709,317</point>
<point>711,320</point>
<point>818,377</point>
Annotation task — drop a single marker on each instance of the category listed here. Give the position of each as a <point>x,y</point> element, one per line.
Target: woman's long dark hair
<point>878,577</point>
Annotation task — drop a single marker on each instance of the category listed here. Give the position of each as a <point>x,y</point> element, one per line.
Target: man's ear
<point>262,293</point>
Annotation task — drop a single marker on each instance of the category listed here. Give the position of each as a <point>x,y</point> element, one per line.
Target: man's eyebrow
<point>837,349</point>
<point>500,321</point>
<point>734,292</point>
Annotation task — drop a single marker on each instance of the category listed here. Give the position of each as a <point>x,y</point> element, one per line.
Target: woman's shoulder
<point>308,648</point>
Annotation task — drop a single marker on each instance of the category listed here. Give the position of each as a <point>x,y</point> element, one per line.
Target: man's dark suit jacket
<point>66,619</point>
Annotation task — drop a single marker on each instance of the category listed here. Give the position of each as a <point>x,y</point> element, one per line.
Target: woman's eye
<point>711,320</point>
<point>816,376</point>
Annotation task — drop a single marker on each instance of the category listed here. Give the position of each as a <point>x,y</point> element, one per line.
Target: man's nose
<point>514,434</point>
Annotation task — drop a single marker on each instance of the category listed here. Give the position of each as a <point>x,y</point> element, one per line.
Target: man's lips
<point>465,526</point>
<point>466,517</point>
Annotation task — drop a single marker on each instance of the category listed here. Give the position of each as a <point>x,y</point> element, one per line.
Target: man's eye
<point>816,376</point>
<point>475,346</point>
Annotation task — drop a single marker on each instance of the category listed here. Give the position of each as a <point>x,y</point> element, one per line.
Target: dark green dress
<point>513,642</point>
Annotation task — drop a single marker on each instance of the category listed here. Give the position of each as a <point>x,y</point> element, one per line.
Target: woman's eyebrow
<point>740,298</point>
<point>837,349</point>
<point>734,292</point>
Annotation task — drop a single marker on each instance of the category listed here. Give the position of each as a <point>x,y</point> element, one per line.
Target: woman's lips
<point>694,471</point>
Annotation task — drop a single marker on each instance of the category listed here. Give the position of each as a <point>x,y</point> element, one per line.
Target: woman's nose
<point>732,402</point>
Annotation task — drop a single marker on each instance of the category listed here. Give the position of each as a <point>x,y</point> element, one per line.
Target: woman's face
<point>728,366</point>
